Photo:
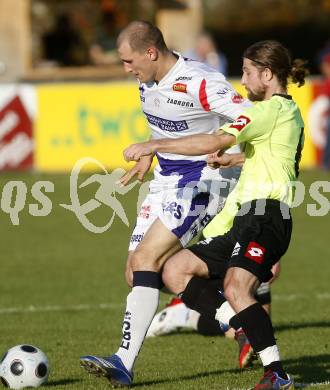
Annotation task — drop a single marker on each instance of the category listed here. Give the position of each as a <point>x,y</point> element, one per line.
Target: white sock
<point>224,315</point>
<point>269,355</point>
<point>142,303</point>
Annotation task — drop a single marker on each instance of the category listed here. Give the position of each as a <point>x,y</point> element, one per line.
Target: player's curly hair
<point>141,35</point>
<point>273,55</point>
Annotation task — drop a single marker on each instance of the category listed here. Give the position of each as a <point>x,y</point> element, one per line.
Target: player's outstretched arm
<point>194,145</point>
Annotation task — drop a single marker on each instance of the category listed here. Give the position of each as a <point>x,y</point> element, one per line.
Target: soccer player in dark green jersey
<point>256,212</point>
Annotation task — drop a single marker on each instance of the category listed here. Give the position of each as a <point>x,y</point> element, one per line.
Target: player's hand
<point>135,151</point>
<point>219,160</point>
<point>225,160</point>
<point>276,269</point>
<point>139,170</point>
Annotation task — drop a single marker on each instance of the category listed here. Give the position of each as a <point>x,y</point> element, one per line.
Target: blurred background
<point>64,95</point>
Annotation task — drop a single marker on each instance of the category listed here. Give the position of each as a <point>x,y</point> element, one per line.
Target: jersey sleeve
<point>216,94</point>
<point>254,124</point>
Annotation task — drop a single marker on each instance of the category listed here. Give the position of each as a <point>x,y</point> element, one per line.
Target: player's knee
<point>138,260</point>
<point>128,270</point>
<point>173,275</point>
<point>142,260</point>
<point>179,269</point>
<point>129,277</point>
<point>237,289</point>
<point>234,290</point>
<point>230,292</point>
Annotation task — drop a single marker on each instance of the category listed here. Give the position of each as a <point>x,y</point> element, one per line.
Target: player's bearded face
<point>256,95</point>
<point>251,79</point>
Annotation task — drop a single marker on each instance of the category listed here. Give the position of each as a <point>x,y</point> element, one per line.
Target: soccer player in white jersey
<point>179,97</point>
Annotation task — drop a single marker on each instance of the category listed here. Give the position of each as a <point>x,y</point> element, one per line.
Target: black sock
<point>258,328</point>
<point>208,327</point>
<point>203,295</point>
<point>256,325</point>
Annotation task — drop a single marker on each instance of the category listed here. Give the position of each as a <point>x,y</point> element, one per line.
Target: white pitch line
<point>295,297</point>
<point>107,306</point>
<point>313,384</point>
<point>80,307</point>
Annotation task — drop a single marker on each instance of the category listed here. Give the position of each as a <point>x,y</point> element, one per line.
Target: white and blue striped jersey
<point>191,98</point>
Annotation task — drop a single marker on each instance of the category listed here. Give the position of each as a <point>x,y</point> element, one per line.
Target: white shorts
<point>183,211</point>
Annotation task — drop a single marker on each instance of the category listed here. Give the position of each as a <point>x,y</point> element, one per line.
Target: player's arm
<point>194,145</point>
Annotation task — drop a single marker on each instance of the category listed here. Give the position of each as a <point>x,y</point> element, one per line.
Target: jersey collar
<point>283,95</point>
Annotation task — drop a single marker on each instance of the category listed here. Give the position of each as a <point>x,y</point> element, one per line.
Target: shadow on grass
<point>278,328</point>
<point>62,382</point>
<point>301,325</point>
<point>306,370</point>
<point>187,377</point>
<point>309,369</point>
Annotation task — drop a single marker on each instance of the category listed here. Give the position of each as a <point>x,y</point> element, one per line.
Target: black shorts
<point>255,242</point>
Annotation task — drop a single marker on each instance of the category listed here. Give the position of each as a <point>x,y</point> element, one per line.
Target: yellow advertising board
<point>78,120</point>
<point>99,120</point>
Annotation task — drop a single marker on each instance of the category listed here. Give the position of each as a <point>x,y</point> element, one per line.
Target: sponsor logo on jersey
<point>180,102</point>
<point>145,212</point>
<point>165,124</point>
<point>137,237</point>
<point>255,252</point>
<point>183,78</point>
<point>224,91</point>
<point>236,249</point>
<point>180,87</point>
<point>237,98</point>
<point>174,209</point>
<point>240,122</point>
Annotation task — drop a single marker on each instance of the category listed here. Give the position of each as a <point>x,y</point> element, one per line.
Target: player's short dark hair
<point>141,35</point>
<point>273,55</point>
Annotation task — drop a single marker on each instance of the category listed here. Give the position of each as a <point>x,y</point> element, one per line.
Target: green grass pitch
<point>62,289</point>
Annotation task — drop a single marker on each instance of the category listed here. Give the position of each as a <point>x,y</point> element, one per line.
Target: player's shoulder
<point>266,105</point>
<point>263,110</point>
<point>199,71</point>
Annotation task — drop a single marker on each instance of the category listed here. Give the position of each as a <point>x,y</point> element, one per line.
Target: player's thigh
<point>147,215</point>
<point>215,253</point>
<point>180,268</point>
<point>158,243</point>
<point>261,242</point>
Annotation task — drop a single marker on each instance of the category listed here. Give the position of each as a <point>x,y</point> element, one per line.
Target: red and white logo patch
<point>145,212</point>
<point>240,122</point>
<point>255,252</point>
<point>237,99</point>
<point>180,87</point>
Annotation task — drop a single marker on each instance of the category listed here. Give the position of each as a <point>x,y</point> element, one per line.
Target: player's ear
<point>152,53</point>
<point>268,74</point>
